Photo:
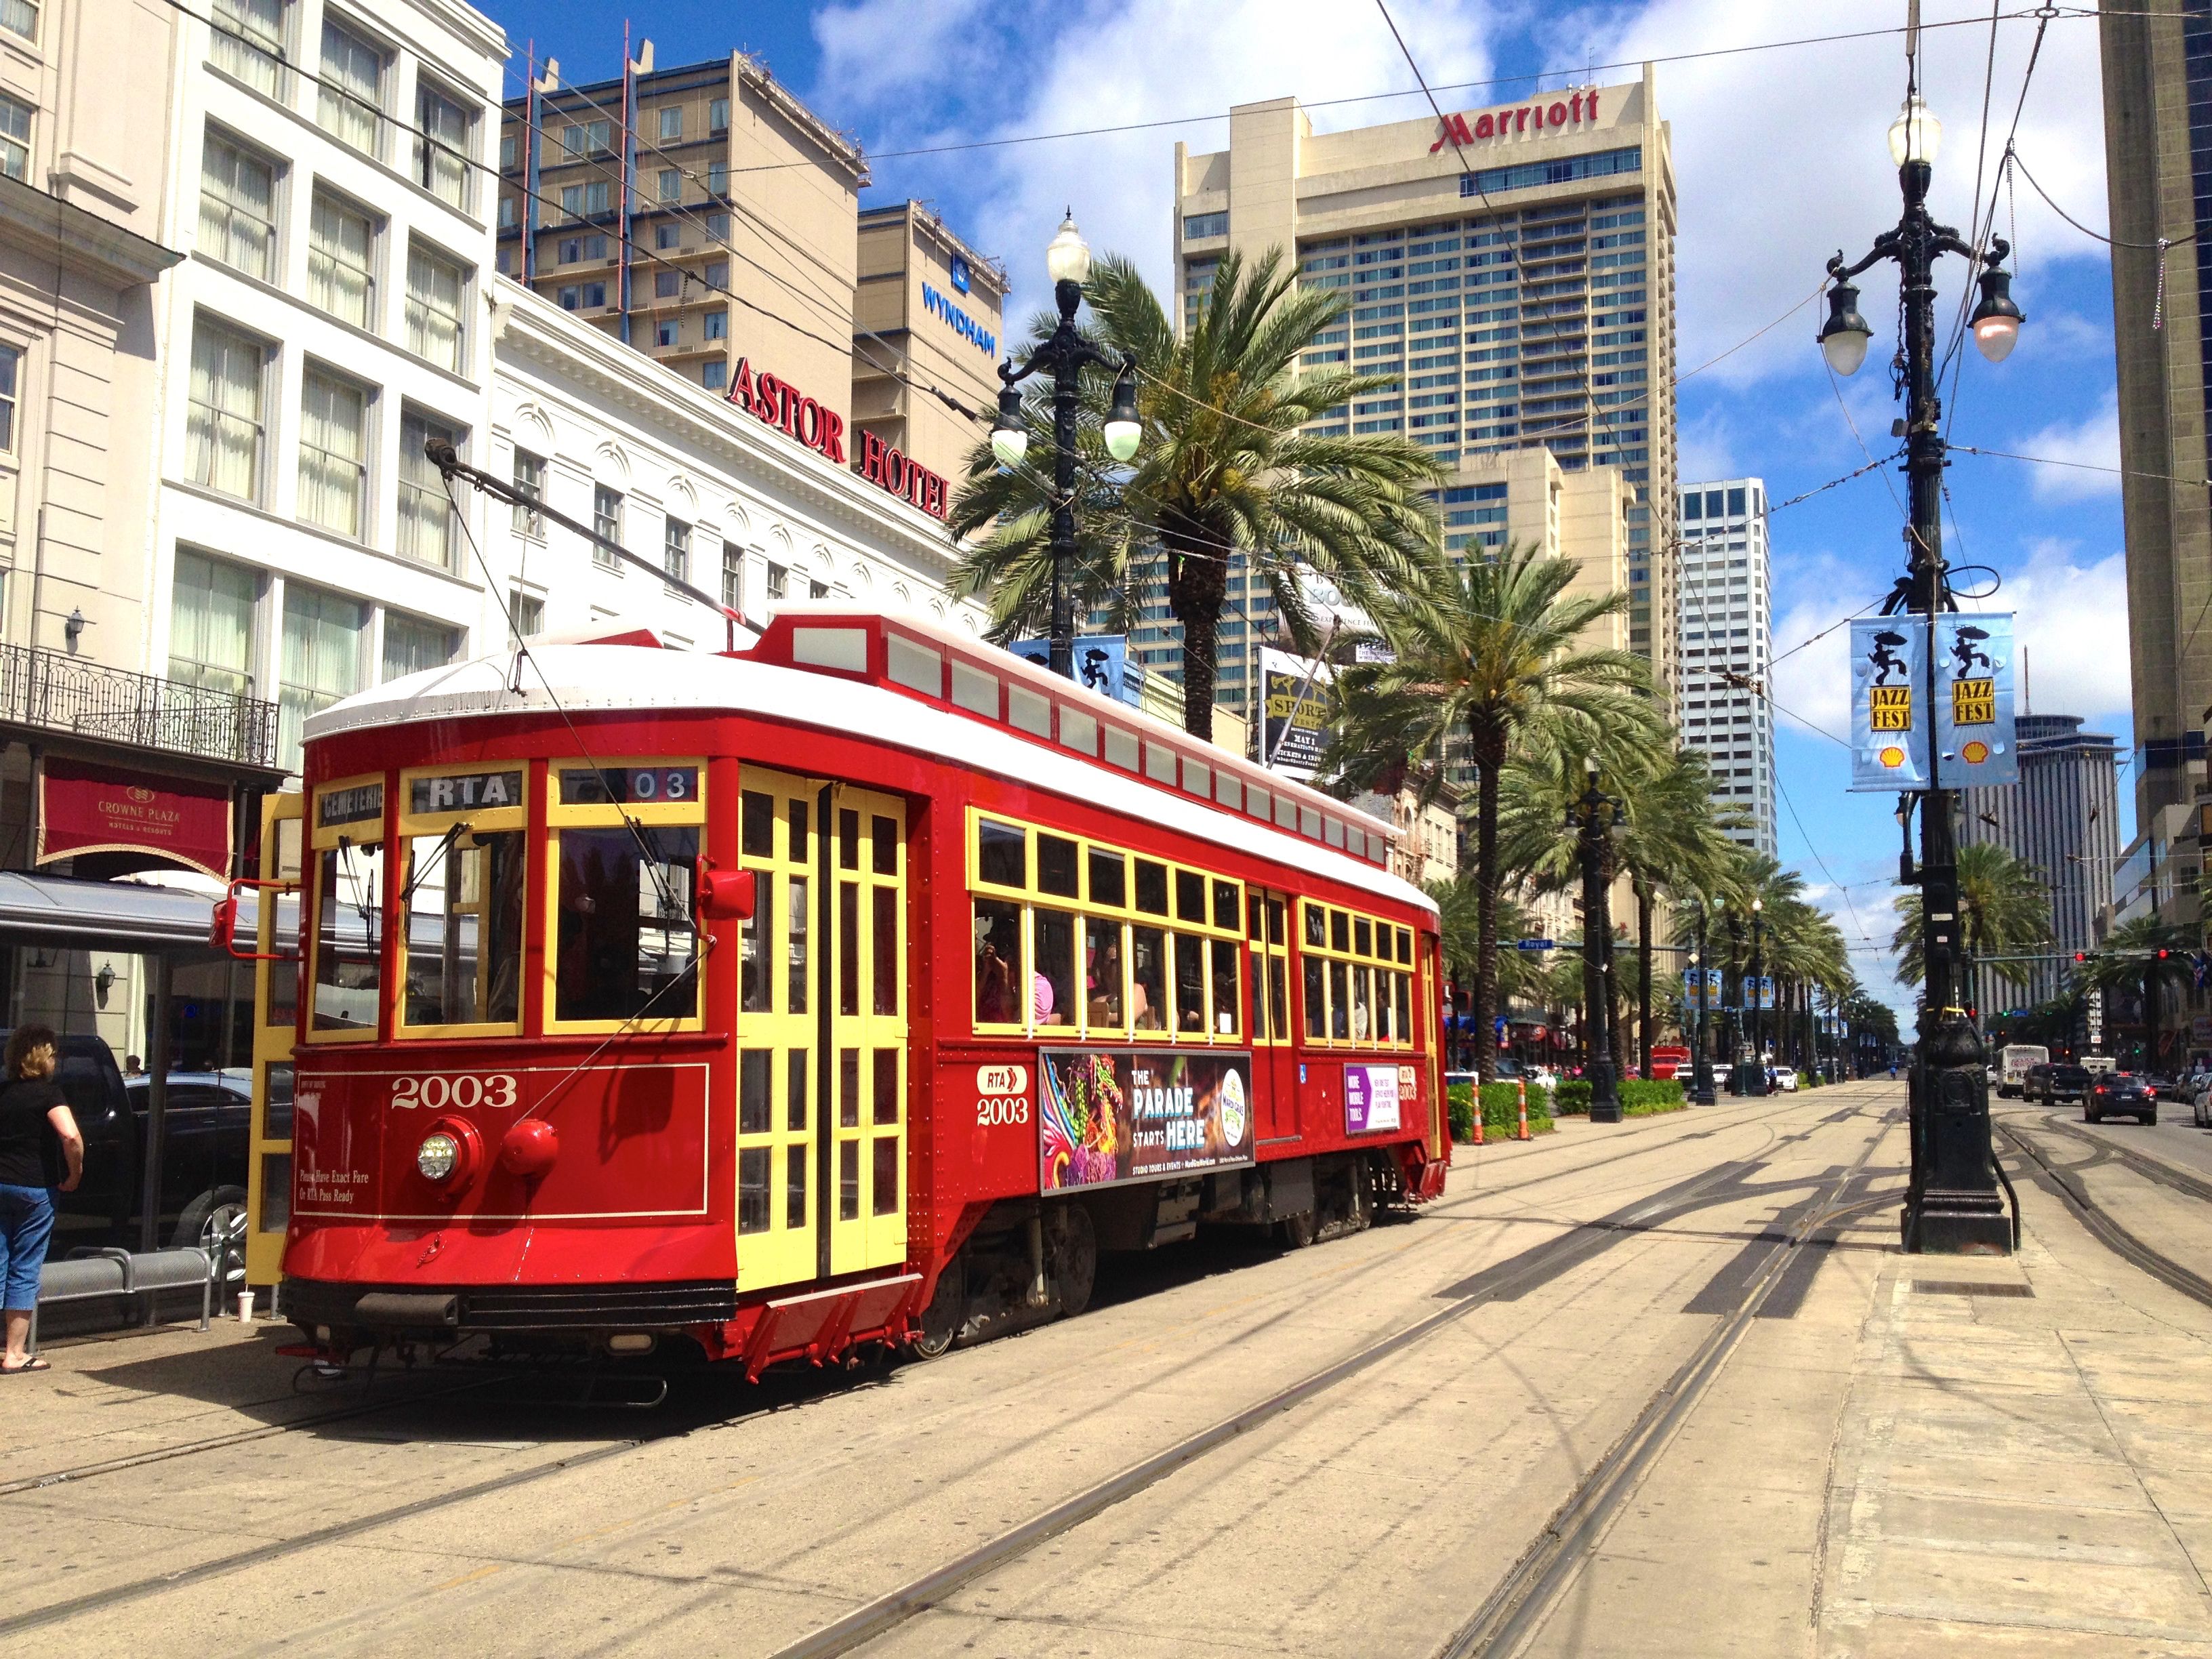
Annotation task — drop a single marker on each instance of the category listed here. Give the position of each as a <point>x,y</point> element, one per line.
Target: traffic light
<point>2080,957</point>
<point>2164,954</point>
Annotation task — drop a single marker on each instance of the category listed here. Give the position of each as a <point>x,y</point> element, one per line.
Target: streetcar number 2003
<point>463,1092</point>
<point>1001,1108</point>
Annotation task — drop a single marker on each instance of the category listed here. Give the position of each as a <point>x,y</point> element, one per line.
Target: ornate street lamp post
<point>1066,354</point>
<point>1594,816</point>
<point>1951,1204</point>
<point>1701,1069</point>
<point>1754,1079</point>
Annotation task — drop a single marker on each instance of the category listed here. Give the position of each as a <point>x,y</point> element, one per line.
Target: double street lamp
<point>1701,1069</point>
<point>1951,1204</point>
<point>1594,816</point>
<point>1066,354</point>
<point>1755,992</point>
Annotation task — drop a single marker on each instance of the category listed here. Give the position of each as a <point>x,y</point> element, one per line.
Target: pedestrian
<point>40,1151</point>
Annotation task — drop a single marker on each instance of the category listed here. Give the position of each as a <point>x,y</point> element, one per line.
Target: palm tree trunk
<point>1644,983</point>
<point>1198,585</point>
<point>1489,746</point>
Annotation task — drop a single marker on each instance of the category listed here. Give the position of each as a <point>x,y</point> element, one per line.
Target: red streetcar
<point>857,987</point>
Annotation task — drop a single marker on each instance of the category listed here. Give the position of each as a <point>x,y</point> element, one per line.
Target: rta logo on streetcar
<point>461,1091</point>
<point>1002,1095</point>
<point>1002,1079</point>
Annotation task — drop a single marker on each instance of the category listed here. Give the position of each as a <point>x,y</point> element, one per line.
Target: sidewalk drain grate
<point>1968,1287</point>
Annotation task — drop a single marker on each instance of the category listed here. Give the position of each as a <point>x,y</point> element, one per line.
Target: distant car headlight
<point>438,1156</point>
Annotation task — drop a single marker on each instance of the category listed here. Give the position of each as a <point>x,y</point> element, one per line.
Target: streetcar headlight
<point>438,1156</point>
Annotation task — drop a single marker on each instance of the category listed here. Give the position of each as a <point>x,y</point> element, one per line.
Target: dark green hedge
<point>1574,1096</point>
<point>1501,1112</point>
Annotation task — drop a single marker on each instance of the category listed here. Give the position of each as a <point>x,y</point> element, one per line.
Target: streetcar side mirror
<point>722,894</point>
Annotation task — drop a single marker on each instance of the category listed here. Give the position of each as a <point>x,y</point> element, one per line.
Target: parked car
<point>1785,1079</point>
<point>2123,1093</point>
<point>2053,1082</point>
<point>207,1134</point>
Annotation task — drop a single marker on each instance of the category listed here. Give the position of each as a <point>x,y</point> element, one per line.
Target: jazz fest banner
<point>1111,1115</point>
<point>1973,700</point>
<point>1889,696</point>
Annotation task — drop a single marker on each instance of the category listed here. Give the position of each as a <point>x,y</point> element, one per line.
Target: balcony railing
<point>56,692</point>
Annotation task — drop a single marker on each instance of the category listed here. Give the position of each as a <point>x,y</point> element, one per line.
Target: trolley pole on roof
<point>1951,1205</point>
<point>1066,354</point>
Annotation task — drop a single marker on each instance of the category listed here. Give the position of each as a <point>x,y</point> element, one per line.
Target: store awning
<point>64,911</point>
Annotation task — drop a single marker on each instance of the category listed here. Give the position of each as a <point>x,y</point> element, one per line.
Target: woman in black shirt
<point>38,1134</point>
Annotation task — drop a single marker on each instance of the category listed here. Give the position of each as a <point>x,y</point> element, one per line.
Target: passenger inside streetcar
<point>1052,987</point>
<point>998,951</point>
<point>1103,976</point>
<point>1147,977</point>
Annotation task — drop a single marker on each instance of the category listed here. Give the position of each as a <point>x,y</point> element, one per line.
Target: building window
<point>249,38</point>
<point>530,482</point>
<point>667,284</point>
<point>527,611</point>
<point>10,361</point>
<point>341,260</point>
<point>510,152</point>
<point>671,184</point>
<point>718,178</point>
<point>586,138</point>
<point>351,94</point>
<point>224,425</point>
<point>666,237</point>
<point>607,522</point>
<point>664,334</point>
<point>718,228</point>
<point>716,325</point>
<point>15,138</point>
<point>718,274</point>
<point>333,454</point>
<point>715,375</point>
<point>436,287</point>
<point>507,213</point>
<point>320,664</point>
<point>733,577</point>
<point>818,590</point>
<point>672,122</point>
<point>211,624</point>
<point>238,208</point>
<point>411,645</point>
<point>585,296</point>
<point>718,115</point>
<point>676,550</point>
<point>1196,225</point>
<point>442,145</point>
<point>779,580</point>
<point>584,201</point>
<point>426,514</point>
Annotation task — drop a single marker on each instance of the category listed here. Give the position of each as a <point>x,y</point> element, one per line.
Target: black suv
<point>2123,1093</point>
<point>2055,1082</point>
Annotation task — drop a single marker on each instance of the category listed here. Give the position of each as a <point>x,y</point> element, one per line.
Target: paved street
<point>1688,1341</point>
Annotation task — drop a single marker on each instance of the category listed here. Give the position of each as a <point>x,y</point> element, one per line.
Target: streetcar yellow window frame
<point>560,815</point>
<point>1380,961</point>
<point>481,821</point>
<point>322,838</point>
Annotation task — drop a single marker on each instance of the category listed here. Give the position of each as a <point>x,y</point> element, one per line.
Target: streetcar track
<point>2100,1221</point>
<point>887,1611</point>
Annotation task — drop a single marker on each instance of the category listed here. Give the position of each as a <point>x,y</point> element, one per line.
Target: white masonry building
<point>1727,597</point>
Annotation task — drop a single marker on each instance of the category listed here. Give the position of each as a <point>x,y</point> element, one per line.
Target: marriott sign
<point>1573,109</point>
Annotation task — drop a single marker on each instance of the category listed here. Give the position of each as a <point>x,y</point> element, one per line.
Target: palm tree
<point>1225,472</point>
<point>2003,905</point>
<point>2145,956</point>
<point>1483,650</point>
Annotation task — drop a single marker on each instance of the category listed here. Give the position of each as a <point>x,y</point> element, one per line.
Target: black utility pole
<point>1594,815</point>
<point>1951,1204</point>
<point>1701,1072</point>
<point>1066,354</point>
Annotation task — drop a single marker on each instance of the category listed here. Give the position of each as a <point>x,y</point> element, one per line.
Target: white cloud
<point>1705,448</point>
<point>2073,629</point>
<point>2090,443</point>
<point>878,50</point>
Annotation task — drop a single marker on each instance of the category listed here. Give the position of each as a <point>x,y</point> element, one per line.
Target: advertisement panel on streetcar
<point>1114,1115</point>
<point>1370,1098</point>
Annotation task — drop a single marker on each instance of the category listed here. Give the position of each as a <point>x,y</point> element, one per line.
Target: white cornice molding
<point>83,241</point>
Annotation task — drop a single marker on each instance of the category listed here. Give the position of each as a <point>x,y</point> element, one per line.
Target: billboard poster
<point>1370,1098</point>
<point>1119,1114</point>
<point>1295,696</point>
<point>1973,700</point>
<point>1102,663</point>
<point>1889,718</point>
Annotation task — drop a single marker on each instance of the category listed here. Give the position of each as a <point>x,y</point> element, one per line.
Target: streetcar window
<point>1190,897</point>
<point>348,938</point>
<point>1316,926</point>
<point>629,786</point>
<point>1109,878</point>
<point>1052,985</point>
<point>463,903</point>
<point>1340,1010</point>
<point>1227,791</point>
<point>754,1104</point>
<point>1274,921</point>
<point>1190,983</point>
<point>1279,1012</point>
<point>1078,731</point>
<point>1122,747</point>
<point>627,944</point>
<point>1224,904</point>
<point>795,1187</point>
<point>1102,974</point>
<point>1405,945</point>
<point>1405,994</point>
<point>1340,931</point>
<point>1152,887</point>
<point>887,1175</point>
<point>756,821</point>
<point>883,845</point>
<point>1056,865</point>
<point>848,1181</point>
<point>754,995</point>
<point>886,1085</point>
<point>753,1189</point>
<point>848,1088</point>
<point>849,948</point>
<point>848,839</point>
<point>1224,987</point>
<point>795,945</point>
<point>1316,1000</point>
<point>885,944</point>
<point>795,1090</point>
<point>1256,911</point>
<point>998,962</point>
<point>1363,934</point>
<point>1001,854</point>
<point>1258,803</point>
<point>1147,978</point>
<point>1362,999</point>
<point>1257,1014</point>
<point>1197,778</point>
<point>797,854</point>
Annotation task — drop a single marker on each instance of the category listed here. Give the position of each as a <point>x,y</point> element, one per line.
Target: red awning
<point>94,809</point>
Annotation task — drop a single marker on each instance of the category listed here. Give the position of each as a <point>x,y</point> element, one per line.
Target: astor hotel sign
<point>1538,116</point>
<point>776,402</point>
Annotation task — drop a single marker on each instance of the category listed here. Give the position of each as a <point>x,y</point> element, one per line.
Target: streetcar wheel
<point>216,1222</point>
<point>947,1311</point>
<point>1295,1231</point>
<point>1074,1259</point>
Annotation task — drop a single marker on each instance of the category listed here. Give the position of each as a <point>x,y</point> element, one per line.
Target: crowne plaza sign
<point>1538,115</point>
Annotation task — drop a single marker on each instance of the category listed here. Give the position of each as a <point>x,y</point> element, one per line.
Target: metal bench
<point>93,1275</point>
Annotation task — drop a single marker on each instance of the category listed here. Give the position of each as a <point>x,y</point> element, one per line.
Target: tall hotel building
<point>1726,633</point>
<point>1515,267</point>
<point>2158,153</point>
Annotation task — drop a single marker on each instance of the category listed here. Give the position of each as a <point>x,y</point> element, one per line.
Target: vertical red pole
<point>1522,1085</point>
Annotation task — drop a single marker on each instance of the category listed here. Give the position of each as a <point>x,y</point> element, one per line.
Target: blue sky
<point>1781,162</point>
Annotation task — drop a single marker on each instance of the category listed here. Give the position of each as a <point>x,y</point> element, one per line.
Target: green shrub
<point>1641,1096</point>
<point>1573,1096</point>
<point>1501,1112</point>
<point>1460,1099</point>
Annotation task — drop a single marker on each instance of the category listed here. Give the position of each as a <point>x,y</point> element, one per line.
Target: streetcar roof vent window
<point>1229,790</point>
<point>1310,822</point>
<point>916,667</point>
<point>845,649</point>
<point>1078,731</point>
<point>1355,840</point>
<point>1122,747</point>
<point>1029,711</point>
<point>1287,814</point>
<point>974,691</point>
<point>1260,803</point>
<point>1160,763</point>
<point>1332,831</point>
<point>1197,778</point>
